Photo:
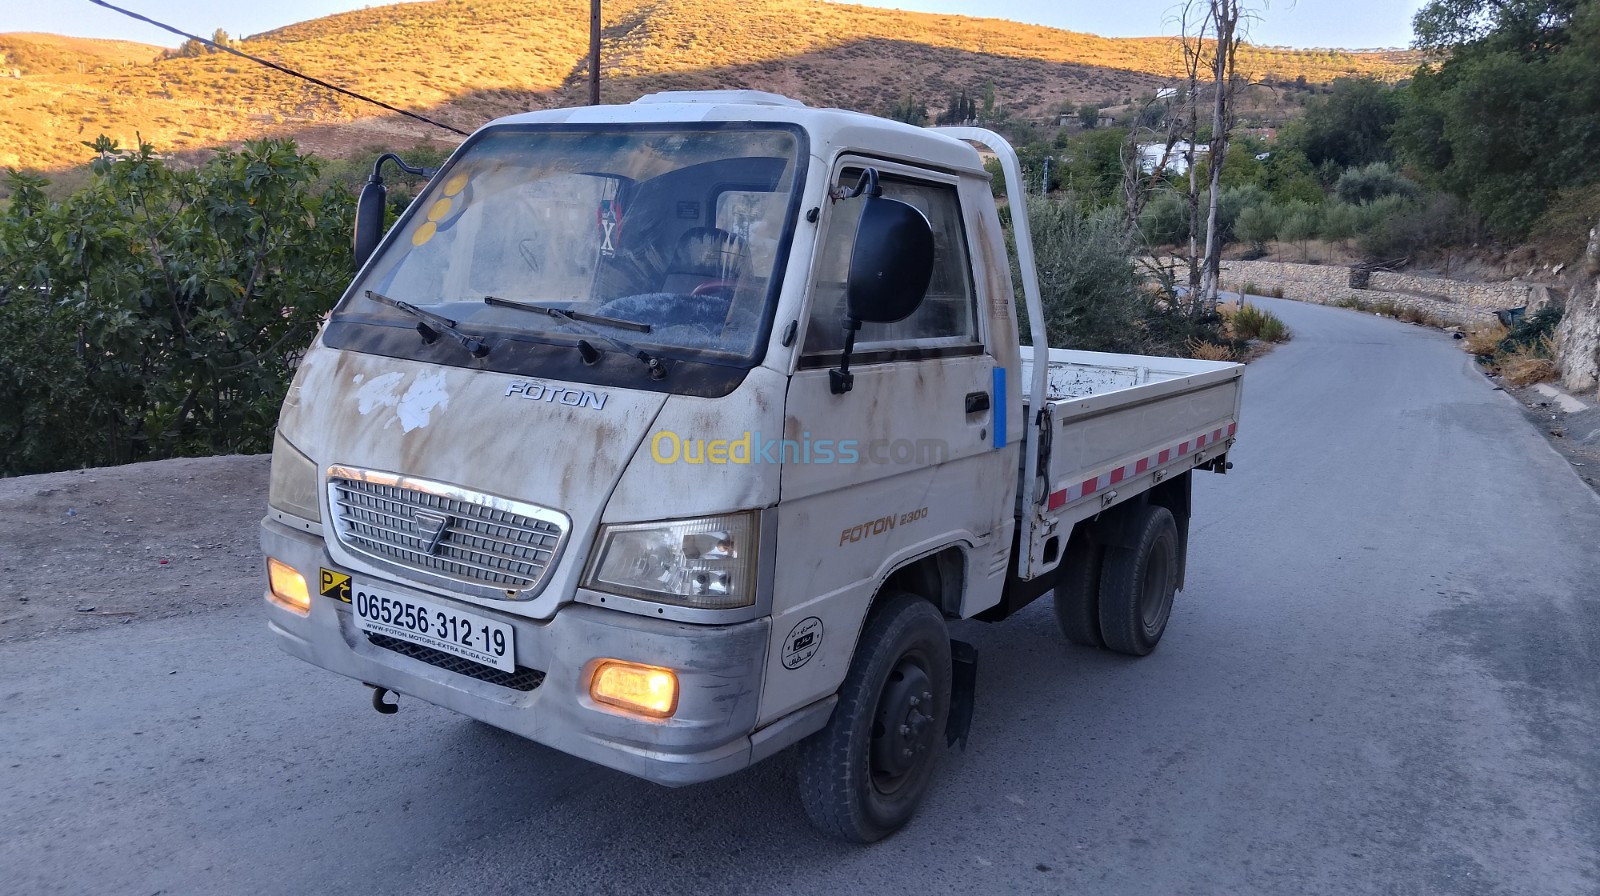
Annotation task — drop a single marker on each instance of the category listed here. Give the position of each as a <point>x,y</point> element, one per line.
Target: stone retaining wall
<point>1330,285</point>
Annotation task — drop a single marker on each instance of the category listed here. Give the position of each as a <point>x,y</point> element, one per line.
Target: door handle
<point>977,401</point>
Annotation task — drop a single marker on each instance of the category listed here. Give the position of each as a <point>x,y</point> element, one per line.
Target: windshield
<point>671,238</point>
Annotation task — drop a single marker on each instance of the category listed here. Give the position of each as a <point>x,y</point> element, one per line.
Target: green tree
<point>1510,117</point>
<point>164,308</point>
<point>1371,183</point>
<point>1289,176</point>
<point>1093,167</point>
<point>1089,115</point>
<point>910,110</point>
<point>1351,126</point>
<point>1090,287</point>
<point>1258,224</point>
<point>960,108</point>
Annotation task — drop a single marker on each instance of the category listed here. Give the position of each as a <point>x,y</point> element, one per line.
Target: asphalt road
<point>1381,679</point>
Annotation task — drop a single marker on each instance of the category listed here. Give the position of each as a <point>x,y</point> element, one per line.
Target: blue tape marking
<point>999,407</point>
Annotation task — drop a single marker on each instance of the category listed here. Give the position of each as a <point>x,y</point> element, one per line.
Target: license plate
<point>430,624</point>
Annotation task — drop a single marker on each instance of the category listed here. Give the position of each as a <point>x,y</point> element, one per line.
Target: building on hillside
<point>1177,160</point>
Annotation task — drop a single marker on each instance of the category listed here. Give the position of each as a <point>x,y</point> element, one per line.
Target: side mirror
<point>891,265</point>
<point>370,206</point>
<point>369,219</point>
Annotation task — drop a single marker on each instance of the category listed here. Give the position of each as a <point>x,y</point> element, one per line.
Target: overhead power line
<point>276,67</point>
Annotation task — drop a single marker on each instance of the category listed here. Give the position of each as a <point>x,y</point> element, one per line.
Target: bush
<point>1533,332</point>
<point>1258,224</point>
<point>1165,221</point>
<point>1094,296</point>
<point>163,309</point>
<point>1302,222</point>
<point>1255,322</point>
<point>1091,290</point>
<point>1371,183</point>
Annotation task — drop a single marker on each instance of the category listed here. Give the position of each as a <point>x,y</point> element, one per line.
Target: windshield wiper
<point>432,325</point>
<point>576,320</point>
<point>568,314</point>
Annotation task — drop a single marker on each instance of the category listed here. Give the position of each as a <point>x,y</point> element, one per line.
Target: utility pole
<point>594,52</point>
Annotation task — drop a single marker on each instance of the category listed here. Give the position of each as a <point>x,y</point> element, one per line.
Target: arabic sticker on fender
<point>802,642</point>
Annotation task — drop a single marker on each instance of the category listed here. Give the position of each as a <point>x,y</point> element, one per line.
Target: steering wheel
<point>715,287</point>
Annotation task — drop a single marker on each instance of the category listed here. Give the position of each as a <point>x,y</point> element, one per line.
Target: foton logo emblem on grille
<point>430,529</point>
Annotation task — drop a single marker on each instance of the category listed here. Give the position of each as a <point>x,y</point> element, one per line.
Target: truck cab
<point>669,435</point>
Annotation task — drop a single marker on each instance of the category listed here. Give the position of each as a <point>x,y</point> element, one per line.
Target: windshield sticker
<point>610,226</point>
<point>445,210</point>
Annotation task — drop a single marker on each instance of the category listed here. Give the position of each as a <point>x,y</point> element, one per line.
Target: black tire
<point>862,776</point>
<point>1077,591</point>
<point>1138,583</point>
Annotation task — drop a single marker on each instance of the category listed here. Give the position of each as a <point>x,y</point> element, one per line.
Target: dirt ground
<point>86,549</point>
<point>1575,436</point>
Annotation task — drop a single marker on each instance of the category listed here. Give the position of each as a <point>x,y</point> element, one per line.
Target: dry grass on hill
<point>465,61</point>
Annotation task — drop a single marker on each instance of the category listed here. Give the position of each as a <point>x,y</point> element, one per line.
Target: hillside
<point>27,55</point>
<point>466,61</point>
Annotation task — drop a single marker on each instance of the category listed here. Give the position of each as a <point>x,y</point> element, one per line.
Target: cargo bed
<point>1117,425</point>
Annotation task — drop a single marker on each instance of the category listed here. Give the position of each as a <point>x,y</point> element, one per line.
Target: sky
<point>1351,24</point>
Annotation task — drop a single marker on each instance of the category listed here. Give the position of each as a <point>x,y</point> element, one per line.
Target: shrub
<point>1533,332</point>
<point>1090,287</point>
<point>164,309</point>
<point>1201,350</point>
<point>1483,341</point>
<point>1358,186</point>
<point>1258,224</point>
<point>1255,322</point>
<point>1165,220</point>
<point>1529,365</point>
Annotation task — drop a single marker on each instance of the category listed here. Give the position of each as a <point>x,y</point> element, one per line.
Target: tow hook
<point>387,709</point>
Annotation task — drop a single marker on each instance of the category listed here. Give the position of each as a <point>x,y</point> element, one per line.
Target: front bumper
<point>719,669</point>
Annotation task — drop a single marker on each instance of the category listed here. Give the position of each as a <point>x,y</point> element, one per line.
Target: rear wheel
<point>1077,591</point>
<point>1138,583</point>
<point>862,776</point>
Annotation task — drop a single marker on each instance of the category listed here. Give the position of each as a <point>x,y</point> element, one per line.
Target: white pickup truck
<point>671,435</point>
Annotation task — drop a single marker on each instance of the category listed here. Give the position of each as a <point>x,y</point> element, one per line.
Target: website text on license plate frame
<point>432,624</point>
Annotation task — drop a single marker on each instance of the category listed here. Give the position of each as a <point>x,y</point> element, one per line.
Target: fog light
<point>287,587</point>
<point>645,690</point>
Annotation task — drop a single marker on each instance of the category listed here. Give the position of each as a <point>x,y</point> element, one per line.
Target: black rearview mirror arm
<point>867,184</point>
<point>377,168</point>
<point>842,380</point>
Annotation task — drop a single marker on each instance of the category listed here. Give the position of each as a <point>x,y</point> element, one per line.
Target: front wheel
<point>862,776</point>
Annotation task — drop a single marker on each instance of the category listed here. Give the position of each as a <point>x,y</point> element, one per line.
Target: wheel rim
<point>903,729</point>
<point>1155,598</point>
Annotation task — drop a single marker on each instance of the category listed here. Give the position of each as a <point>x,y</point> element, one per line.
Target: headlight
<point>293,486</point>
<point>707,563</point>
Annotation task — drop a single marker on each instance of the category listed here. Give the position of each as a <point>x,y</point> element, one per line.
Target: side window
<point>947,316</point>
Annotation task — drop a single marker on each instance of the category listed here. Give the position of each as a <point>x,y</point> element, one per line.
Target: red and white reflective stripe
<point>1065,496</point>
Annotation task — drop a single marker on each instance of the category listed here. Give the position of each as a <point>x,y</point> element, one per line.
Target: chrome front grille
<point>442,530</point>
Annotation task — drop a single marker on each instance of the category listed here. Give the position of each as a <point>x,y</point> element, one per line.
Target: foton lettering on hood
<point>577,398</point>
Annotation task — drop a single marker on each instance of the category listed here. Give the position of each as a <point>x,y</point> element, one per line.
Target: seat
<point>706,259</point>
